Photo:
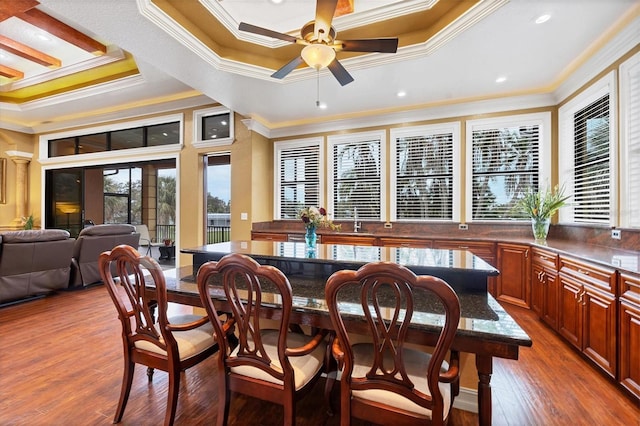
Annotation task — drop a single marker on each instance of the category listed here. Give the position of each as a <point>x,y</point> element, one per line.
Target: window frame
<point>542,119</point>
<point>198,118</point>
<point>334,140</point>
<point>566,147</point>
<point>112,156</point>
<point>629,77</point>
<point>427,130</point>
<point>279,147</point>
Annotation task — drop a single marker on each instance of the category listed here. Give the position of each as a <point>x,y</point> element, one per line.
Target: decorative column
<point>21,160</point>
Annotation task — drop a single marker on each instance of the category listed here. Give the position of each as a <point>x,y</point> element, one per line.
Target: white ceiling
<point>538,61</point>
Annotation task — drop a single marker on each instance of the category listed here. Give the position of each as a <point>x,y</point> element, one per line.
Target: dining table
<point>485,329</point>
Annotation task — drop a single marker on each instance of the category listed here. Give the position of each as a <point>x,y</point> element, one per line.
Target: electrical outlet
<point>388,225</point>
<point>616,234</point>
<point>463,226</point>
<point>244,216</point>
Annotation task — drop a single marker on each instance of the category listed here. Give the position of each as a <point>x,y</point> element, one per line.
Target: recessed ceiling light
<point>543,18</point>
<point>43,37</point>
<point>321,105</point>
<point>276,1</point>
<point>223,122</point>
<point>501,79</point>
<point>401,94</point>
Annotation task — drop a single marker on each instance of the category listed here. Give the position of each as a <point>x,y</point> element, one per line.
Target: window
<point>424,172</point>
<point>213,127</point>
<point>297,176</point>
<point>356,184</point>
<point>506,156</point>
<point>630,142</point>
<point>109,138</point>
<point>586,155</point>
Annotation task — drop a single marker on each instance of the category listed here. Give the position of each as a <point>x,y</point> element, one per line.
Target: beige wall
<point>23,143</point>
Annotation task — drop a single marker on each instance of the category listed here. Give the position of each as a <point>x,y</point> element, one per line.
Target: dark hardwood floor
<point>61,364</point>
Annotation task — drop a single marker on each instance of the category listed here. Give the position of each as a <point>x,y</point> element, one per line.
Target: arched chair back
<point>275,365</point>
<point>389,381</point>
<point>172,344</point>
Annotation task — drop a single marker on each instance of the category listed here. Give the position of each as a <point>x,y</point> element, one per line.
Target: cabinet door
<point>570,316</point>
<point>599,329</point>
<point>629,333</point>
<point>550,311</point>
<point>513,284</point>
<point>538,282</point>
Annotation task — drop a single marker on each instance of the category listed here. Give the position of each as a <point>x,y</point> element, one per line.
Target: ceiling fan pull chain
<point>318,87</point>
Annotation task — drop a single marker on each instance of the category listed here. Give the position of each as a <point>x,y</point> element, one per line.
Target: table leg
<point>484,364</point>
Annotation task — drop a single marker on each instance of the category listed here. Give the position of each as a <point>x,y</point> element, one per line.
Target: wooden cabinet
<point>356,240</point>
<point>513,284</point>
<point>587,316</point>
<point>268,236</point>
<point>629,333</point>
<point>545,287</point>
<point>405,242</point>
<point>484,250</point>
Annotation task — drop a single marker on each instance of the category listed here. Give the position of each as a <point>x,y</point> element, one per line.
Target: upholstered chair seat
<point>190,342</point>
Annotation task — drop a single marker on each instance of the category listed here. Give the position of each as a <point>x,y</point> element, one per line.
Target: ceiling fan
<point>321,46</point>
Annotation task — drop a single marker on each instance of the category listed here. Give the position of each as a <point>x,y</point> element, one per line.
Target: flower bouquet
<point>314,217</point>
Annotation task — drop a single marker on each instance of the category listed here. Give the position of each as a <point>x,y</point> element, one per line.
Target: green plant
<point>27,222</point>
<point>542,204</point>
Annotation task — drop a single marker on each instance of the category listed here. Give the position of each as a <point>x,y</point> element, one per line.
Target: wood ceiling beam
<point>10,72</point>
<point>28,53</point>
<point>9,8</point>
<point>63,31</point>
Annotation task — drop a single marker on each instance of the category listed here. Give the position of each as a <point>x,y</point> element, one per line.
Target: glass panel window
<point>586,155</point>
<point>297,176</point>
<point>129,138</point>
<point>630,141</point>
<point>506,157</point>
<point>163,134</point>
<point>423,173</point>
<point>215,127</point>
<point>92,143</point>
<point>357,176</point>
<point>62,147</point>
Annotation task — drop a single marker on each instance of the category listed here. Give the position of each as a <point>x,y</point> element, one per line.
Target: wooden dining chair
<point>385,381</point>
<point>172,344</point>
<point>276,365</point>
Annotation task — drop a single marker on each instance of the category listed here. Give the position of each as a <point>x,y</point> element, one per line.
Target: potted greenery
<point>540,205</point>
<point>27,222</point>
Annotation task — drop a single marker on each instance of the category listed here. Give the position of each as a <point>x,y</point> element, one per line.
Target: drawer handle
<point>463,247</point>
<point>582,271</point>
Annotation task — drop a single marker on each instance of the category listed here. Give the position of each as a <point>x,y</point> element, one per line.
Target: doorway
<point>217,189</point>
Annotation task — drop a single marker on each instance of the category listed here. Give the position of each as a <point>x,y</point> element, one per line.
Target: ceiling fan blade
<point>282,72</point>
<point>340,73</point>
<point>383,45</point>
<point>325,9</point>
<point>265,32</point>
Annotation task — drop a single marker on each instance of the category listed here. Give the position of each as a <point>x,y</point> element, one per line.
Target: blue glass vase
<point>310,237</point>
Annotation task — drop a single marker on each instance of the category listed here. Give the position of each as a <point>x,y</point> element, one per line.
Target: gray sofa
<point>91,242</point>
<point>34,262</point>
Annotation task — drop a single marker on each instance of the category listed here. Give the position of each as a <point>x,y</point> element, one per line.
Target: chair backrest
<point>94,240</point>
<point>386,292</point>
<point>133,303</point>
<point>143,230</point>
<point>243,281</point>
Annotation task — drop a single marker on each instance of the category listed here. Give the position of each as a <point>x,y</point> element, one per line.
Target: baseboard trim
<point>467,400</point>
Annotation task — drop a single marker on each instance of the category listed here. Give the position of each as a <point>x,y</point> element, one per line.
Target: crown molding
<point>624,41</point>
<point>113,54</point>
<point>158,17</point>
<point>457,109</point>
<point>340,23</point>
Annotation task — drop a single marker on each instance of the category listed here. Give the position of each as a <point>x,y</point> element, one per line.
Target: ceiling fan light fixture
<point>318,56</point>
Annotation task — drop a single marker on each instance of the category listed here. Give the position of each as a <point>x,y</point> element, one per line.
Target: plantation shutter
<point>299,179</point>
<point>591,192</point>
<point>424,177</point>
<point>357,179</point>
<point>505,164</point>
<point>630,79</point>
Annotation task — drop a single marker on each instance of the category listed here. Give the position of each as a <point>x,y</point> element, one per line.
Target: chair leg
<point>289,411</point>
<point>150,374</point>
<point>172,397</point>
<point>224,400</point>
<point>127,380</point>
